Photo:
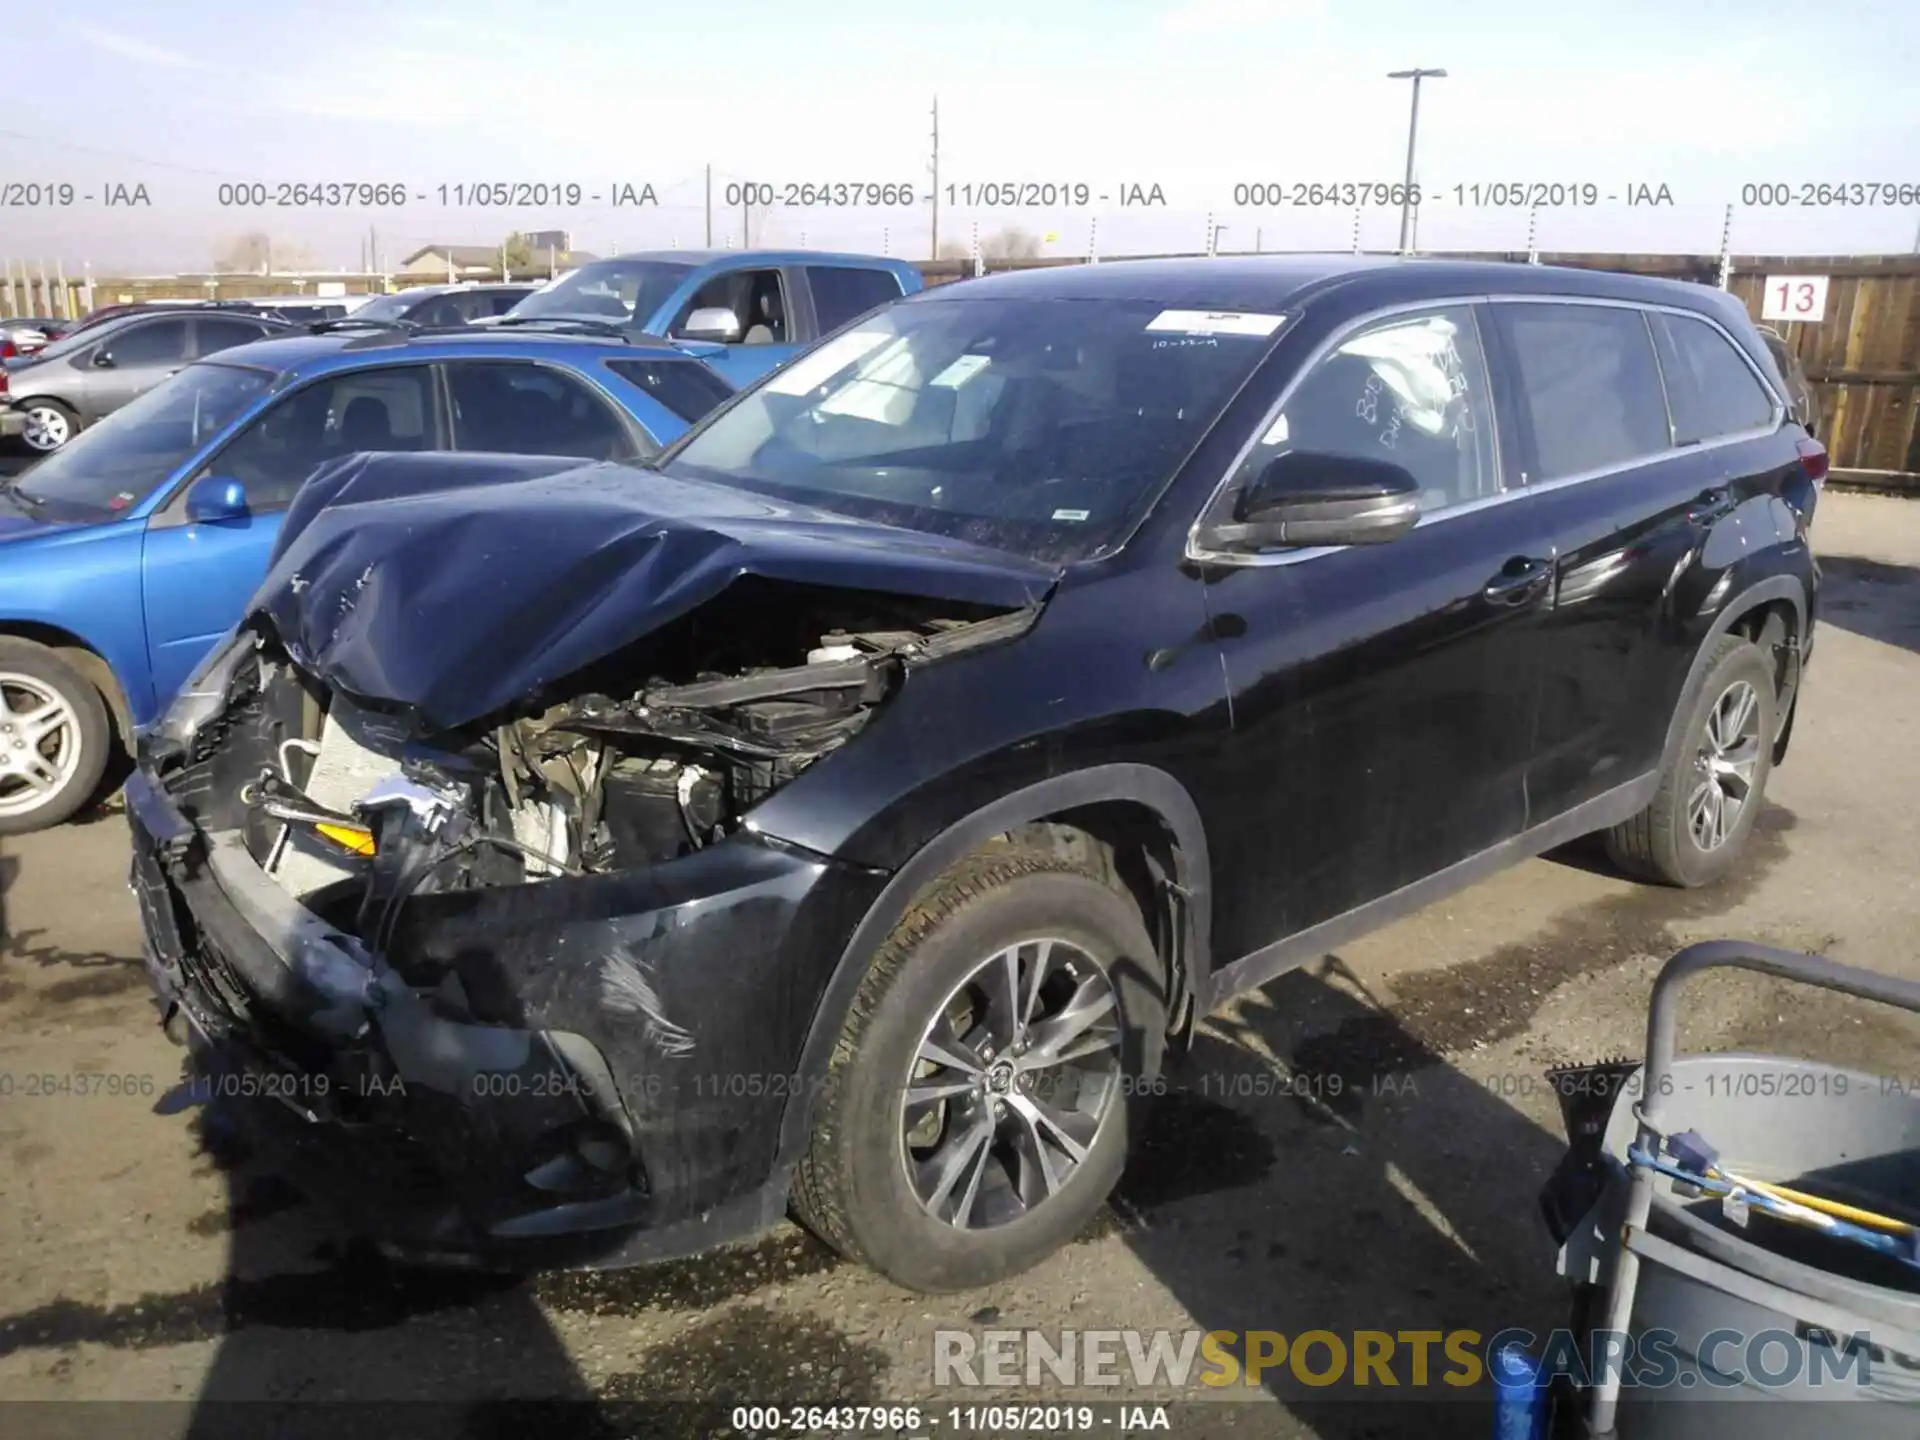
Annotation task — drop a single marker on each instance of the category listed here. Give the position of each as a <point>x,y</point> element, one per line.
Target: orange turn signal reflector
<point>358,841</point>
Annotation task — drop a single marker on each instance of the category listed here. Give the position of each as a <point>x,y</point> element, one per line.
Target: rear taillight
<point>7,348</point>
<point>1813,460</point>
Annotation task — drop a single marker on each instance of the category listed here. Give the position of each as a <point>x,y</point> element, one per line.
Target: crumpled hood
<point>459,600</point>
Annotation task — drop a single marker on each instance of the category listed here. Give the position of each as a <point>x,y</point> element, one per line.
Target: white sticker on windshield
<point>1072,514</point>
<point>961,371</point>
<point>1215,322</point>
<point>823,364</point>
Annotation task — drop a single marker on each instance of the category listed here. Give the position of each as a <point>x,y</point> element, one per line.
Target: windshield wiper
<point>29,503</point>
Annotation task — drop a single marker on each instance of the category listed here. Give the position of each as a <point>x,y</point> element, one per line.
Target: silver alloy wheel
<point>47,428</point>
<point>39,743</point>
<point>1724,767</point>
<point>1013,1081</point>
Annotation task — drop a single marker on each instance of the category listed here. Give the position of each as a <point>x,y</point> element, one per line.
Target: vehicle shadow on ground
<point>1324,1165</point>
<point>1873,598</point>
<point>1340,1176</point>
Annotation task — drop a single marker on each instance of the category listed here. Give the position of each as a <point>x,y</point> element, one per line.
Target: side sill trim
<point>1615,805</point>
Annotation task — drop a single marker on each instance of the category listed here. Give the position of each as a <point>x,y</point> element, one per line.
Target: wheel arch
<point>1747,613</point>
<point>87,660</point>
<point>1131,809</point>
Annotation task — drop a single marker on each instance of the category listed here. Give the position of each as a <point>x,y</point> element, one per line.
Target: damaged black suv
<point>844,812</point>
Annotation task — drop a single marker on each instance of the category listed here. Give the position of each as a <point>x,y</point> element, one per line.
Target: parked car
<point>305,309</point>
<point>438,305</point>
<point>100,314</point>
<point>128,553</point>
<point>847,809</point>
<point>764,306</point>
<point>57,393</point>
<point>24,334</point>
<point>1800,396</point>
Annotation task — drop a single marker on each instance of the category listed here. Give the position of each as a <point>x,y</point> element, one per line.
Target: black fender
<point>1143,785</point>
<point>1789,588</point>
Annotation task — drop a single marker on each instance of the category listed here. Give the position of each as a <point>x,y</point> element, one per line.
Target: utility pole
<point>709,205</point>
<point>1413,132</point>
<point>933,252</point>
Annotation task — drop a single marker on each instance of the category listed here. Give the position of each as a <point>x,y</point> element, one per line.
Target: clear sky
<point>1704,97</point>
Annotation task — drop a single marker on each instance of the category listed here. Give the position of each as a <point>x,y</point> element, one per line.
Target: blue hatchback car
<point>125,555</point>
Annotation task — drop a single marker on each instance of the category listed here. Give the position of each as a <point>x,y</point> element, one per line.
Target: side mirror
<point>214,498</point>
<point>1307,497</point>
<point>102,360</point>
<point>715,323</point>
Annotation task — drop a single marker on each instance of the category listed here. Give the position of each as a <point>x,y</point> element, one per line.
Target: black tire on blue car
<point>975,1113</point>
<point>55,738</point>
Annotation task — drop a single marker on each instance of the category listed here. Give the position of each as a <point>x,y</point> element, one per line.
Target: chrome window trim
<point>1195,552</point>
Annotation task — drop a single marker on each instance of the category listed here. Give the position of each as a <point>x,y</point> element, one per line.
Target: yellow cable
<point>1834,1208</point>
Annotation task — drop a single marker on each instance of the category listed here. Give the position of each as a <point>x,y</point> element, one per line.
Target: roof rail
<point>352,322</point>
<point>569,322</point>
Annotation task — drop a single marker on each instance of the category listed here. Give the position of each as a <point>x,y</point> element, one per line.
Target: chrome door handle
<point>1520,582</point>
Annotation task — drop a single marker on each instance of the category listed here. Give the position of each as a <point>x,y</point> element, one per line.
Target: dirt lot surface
<point>143,1260</point>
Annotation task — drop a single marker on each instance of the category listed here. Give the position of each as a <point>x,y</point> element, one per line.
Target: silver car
<point>53,395</point>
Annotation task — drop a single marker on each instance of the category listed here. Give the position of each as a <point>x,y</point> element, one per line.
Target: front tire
<point>54,738</point>
<point>975,1111</point>
<point>1713,785</point>
<point>49,426</point>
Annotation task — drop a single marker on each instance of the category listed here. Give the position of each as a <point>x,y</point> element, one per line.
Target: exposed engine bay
<point>658,751</point>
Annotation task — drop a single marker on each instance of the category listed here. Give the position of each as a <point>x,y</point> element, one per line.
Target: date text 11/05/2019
<point>965,195</point>
<point>460,195</point>
<point>910,1419</point>
<point>1479,195</point>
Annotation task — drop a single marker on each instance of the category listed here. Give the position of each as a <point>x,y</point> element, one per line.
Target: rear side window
<point>1712,390</point>
<point>1589,386</point>
<point>219,334</point>
<point>842,292</point>
<point>518,408</point>
<point>686,387</point>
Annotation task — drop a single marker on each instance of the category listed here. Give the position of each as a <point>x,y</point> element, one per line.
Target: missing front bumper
<point>628,1018</point>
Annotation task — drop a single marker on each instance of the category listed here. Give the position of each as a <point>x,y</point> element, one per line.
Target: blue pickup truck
<point>762,306</point>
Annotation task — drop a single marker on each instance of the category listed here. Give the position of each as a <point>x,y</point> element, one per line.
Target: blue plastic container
<point>1520,1395</point>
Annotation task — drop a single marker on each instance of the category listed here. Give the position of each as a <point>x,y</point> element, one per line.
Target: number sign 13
<point>1794,297</point>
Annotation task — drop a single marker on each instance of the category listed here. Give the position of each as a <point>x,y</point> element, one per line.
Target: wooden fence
<point>1862,357</point>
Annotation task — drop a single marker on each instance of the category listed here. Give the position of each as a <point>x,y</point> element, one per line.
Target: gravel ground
<point>140,1262</point>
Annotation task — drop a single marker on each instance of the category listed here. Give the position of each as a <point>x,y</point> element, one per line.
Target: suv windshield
<point>1045,428</point>
<point>113,466</point>
<point>618,290</point>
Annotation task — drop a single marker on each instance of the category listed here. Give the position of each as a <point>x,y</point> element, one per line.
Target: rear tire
<point>1713,785</point>
<point>55,738</point>
<point>870,1182</point>
<point>50,425</point>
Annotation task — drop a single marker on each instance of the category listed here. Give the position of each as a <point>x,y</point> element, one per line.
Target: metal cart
<point>1749,1307</point>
